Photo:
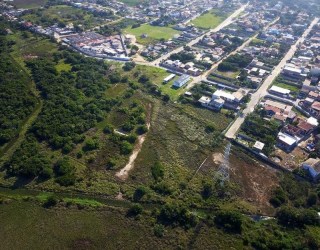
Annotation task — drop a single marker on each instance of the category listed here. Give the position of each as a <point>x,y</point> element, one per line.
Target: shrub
<point>51,201</point>
<point>66,180</point>
<point>139,193</point>
<point>126,148</point>
<point>157,171</point>
<point>158,230</point>
<point>108,129</point>
<point>142,129</point>
<point>90,144</point>
<point>229,220</point>
<point>135,210</point>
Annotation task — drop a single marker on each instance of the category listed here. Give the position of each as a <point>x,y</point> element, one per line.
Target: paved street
<point>263,90</point>
<point>225,23</point>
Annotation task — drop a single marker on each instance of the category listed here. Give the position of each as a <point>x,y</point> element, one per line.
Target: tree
<point>108,129</point>
<point>90,145</point>
<point>229,220</point>
<point>142,129</point>
<point>312,199</point>
<point>166,98</point>
<point>128,66</point>
<point>126,148</point>
<point>51,201</point>
<point>135,210</point>
<point>139,193</point>
<point>207,190</point>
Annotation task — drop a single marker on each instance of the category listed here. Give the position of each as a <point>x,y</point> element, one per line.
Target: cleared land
<point>153,33</point>
<point>209,20</point>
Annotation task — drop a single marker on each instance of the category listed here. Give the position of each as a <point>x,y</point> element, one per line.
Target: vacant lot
<point>209,20</point>
<point>153,33</point>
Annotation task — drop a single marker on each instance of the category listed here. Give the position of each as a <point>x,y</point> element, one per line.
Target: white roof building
<point>258,145</point>
<point>222,94</point>
<point>279,90</point>
<point>286,139</point>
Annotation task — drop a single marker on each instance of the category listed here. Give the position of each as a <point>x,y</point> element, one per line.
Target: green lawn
<point>287,86</point>
<point>209,20</point>
<point>153,33</point>
<point>172,92</point>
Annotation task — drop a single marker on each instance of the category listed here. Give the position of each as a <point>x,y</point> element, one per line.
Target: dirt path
<point>123,174</point>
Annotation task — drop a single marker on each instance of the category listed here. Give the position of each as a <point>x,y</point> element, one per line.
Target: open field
<point>153,33</point>
<point>29,4</point>
<point>209,20</point>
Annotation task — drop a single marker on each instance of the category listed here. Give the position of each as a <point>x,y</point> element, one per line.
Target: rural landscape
<point>144,124</point>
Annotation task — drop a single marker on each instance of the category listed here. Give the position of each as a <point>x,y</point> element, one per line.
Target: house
<point>215,104</point>
<point>279,91</point>
<point>181,81</point>
<point>258,146</point>
<point>286,142</point>
<point>279,111</point>
<point>313,167</point>
<point>315,109</point>
<point>292,71</point>
<point>168,78</point>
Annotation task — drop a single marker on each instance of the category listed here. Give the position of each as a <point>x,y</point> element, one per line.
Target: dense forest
<point>17,99</point>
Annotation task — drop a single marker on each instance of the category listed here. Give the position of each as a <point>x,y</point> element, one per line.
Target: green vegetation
<point>29,4</point>
<point>154,33</point>
<point>283,83</point>
<point>83,133</point>
<point>17,98</point>
<point>210,19</point>
<point>63,15</point>
<point>256,127</point>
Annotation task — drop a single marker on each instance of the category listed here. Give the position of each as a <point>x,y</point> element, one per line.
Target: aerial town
<point>176,124</point>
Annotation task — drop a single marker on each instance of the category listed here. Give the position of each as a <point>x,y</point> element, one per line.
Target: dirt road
<point>123,174</point>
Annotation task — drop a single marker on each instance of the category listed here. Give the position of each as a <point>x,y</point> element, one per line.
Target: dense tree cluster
<point>17,100</point>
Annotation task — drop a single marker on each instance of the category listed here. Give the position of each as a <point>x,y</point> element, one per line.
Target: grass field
<point>174,93</point>
<point>287,86</point>
<point>209,20</point>
<point>154,33</point>
<point>29,4</point>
